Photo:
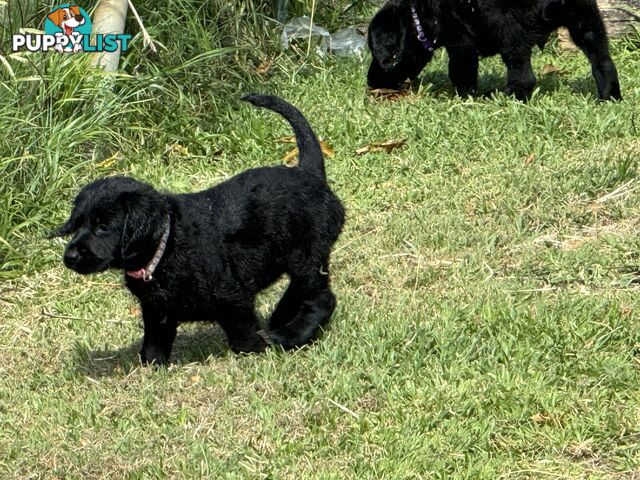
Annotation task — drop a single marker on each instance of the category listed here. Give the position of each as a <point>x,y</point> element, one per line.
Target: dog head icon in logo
<point>69,20</point>
<point>67,29</point>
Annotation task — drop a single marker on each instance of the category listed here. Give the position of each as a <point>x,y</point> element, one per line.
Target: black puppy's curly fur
<point>224,245</point>
<point>469,29</point>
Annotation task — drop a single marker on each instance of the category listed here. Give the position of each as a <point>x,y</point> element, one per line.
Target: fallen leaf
<point>384,91</point>
<point>196,378</point>
<point>177,149</point>
<point>626,311</point>
<point>387,146</point>
<point>540,418</point>
<point>549,69</point>
<point>326,149</point>
<point>107,162</point>
<point>391,93</point>
<point>290,139</point>
<point>134,311</point>
<point>581,449</point>
<point>530,159</point>
<point>264,67</point>
<point>290,159</point>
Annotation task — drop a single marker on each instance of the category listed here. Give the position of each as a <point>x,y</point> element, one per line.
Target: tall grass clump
<point>331,14</point>
<point>63,121</point>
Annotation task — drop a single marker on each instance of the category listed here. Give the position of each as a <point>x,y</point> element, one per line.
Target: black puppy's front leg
<point>463,69</point>
<point>520,77</point>
<point>241,327</point>
<point>159,334</point>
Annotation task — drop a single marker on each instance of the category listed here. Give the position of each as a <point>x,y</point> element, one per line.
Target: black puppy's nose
<point>71,256</point>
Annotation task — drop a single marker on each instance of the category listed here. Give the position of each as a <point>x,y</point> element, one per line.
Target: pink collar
<point>146,273</point>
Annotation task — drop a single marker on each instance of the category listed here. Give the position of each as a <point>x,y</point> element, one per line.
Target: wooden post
<point>109,17</point>
<point>620,16</point>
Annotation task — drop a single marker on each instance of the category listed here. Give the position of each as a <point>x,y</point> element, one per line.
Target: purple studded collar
<point>422,38</point>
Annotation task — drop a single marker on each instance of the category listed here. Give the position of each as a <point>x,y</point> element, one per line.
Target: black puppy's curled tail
<point>309,149</point>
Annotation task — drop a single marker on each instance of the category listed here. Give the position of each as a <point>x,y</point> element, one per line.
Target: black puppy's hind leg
<point>520,77</point>
<point>159,334</point>
<point>240,324</point>
<point>588,32</point>
<point>304,309</point>
<point>463,69</point>
<point>289,304</point>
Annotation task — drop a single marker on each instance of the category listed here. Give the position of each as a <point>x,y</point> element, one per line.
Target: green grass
<point>487,322</point>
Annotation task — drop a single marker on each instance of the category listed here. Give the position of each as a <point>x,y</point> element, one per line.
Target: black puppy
<point>205,255</point>
<point>404,34</point>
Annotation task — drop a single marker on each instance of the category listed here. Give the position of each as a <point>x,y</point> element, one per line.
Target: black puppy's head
<point>397,53</point>
<point>116,222</point>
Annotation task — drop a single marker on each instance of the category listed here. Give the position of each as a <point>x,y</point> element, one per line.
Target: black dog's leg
<point>289,304</point>
<point>159,334</point>
<point>241,327</point>
<point>463,69</point>
<point>591,37</point>
<point>520,76</point>
<point>306,306</point>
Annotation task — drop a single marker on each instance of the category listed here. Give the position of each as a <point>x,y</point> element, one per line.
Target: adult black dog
<point>205,255</point>
<point>404,34</point>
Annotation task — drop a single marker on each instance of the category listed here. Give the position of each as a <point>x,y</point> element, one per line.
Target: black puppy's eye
<point>101,229</point>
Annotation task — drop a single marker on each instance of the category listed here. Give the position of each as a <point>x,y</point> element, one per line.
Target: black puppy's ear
<point>143,224</point>
<point>66,228</point>
<point>387,33</point>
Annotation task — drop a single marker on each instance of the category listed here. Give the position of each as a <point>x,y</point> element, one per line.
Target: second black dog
<point>404,34</point>
<point>205,256</point>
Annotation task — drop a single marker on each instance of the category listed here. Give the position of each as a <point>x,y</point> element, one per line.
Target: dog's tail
<point>310,153</point>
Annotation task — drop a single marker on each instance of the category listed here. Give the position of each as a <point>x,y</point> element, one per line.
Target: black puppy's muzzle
<point>79,259</point>
<point>390,64</point>
<point>71,257</point>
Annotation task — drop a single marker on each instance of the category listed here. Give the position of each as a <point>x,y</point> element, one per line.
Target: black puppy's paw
<point>252,344</point>
<point>153,356</point>
<point>520,94</point>
<point>289,339</point>
<point>465,92</point>
<point>286,339</point>
<point>611,93</point>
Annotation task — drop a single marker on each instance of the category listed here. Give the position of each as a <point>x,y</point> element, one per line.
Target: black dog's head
<point>116,222</point>
<point>397,53</point>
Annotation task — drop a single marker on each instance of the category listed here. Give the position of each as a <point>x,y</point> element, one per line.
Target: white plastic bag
<point>348,42</point>
<point>303,28</point>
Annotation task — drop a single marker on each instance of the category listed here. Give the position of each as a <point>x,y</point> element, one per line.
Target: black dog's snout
<point>71,256</point>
